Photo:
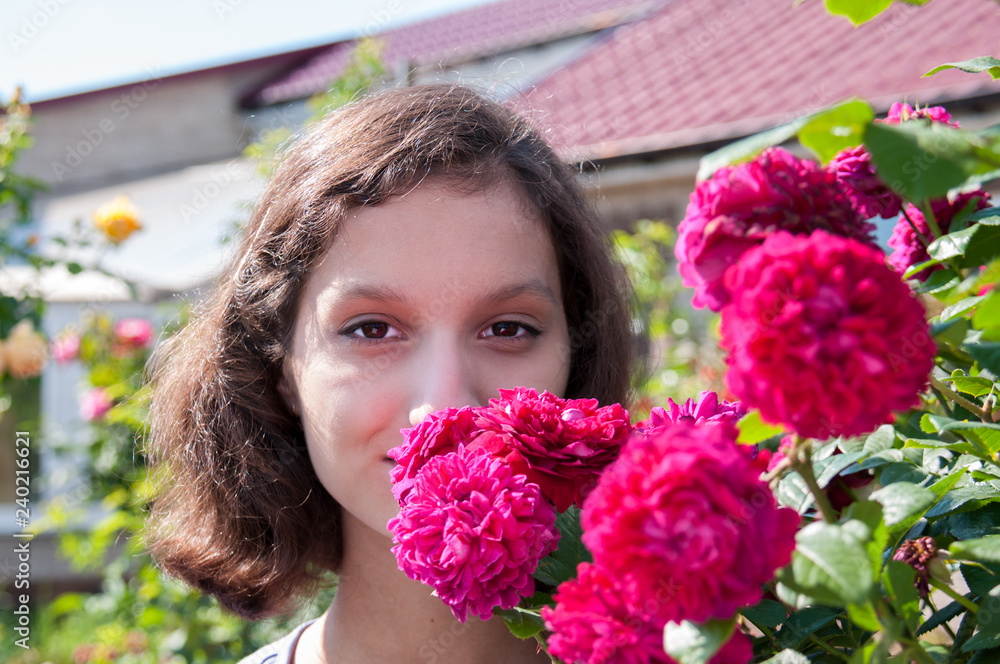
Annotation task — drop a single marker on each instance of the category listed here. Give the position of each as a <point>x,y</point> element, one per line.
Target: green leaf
<point>857,11</point>
<point>984,549</point>
<point>765,613</point>
<point>522,623</point>
<point>923,160</point>
<point>864,616</point>
<point>830,467</point>
<point>985,63</point>
<point>987,317</point>
<point>901,593</point>
<point>919,267</point>
<point>836,129</point>
<point>883,438</point>
<point>690,643</point>
<point>870,513</point>
<point>981,579</point>
<point>979,523</point>
<point>986,355</point>
<point>793,492</point>
<point>788,657</point>
<point>977,386</point>
<point>902,500</point>
<point>74,268</point>
<point>802,623</point>
<point>951,245</point>
<point>960,308</point>
<point>939,283</point>
<point>754,430</point>
<point>831,564</point>
<point>987,635</point>
<point>560,565</point>
<point>940,617</point>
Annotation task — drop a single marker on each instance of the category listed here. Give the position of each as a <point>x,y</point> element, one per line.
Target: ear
<point>286,388</point>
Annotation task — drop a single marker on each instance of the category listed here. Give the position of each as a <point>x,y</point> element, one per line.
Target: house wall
<point>152,126</point>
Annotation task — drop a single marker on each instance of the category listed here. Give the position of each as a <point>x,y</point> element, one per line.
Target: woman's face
<point>432,299</point>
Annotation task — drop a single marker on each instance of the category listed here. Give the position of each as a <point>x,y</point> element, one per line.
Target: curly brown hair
<point>240,513</point>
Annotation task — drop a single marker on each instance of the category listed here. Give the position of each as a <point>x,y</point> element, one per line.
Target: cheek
<point>347,409</point>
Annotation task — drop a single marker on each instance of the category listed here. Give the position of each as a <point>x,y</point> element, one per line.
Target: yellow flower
<point>25,351</point>
<point>118,219</point>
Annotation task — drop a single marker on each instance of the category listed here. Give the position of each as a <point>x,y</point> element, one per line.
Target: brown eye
<point>505,329</point>
<point>374,330</point>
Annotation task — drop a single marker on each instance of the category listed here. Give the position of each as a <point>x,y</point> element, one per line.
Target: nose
<point>442,378</point>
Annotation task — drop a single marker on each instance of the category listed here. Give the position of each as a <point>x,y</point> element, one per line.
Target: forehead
<point>433,237</point>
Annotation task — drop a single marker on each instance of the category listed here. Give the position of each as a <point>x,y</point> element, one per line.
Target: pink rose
<point>66,348</point>
<point>707,408</point>
<point>900,112</point>
<point>855,174</point>
<point>134,332</point>
<point>474,531</point>
<point>592,623</point>
<point>823,336</point>
<point>95,404</point>
<point>684,524</point>
<point>562,445</point>
<point>739,206</point>
<point>438,433</point>
<point>908,249</point>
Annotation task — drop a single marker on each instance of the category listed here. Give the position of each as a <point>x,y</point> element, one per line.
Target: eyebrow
<point>499,294</point>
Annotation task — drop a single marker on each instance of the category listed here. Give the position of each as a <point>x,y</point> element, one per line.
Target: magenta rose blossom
<point>438,433</point>
<point>900,112</point>
<point>686,508</point>
<point>474,531</point>
<point>561,444</point>
<point>134,332</point>
<point>95,404</point>
<point>66,348</point>
<point>823,336</point>
<point>741,205</point>
<point>855,174</point>
<point>906,245</point>
<point>708,408</point>
<point>592,623</point>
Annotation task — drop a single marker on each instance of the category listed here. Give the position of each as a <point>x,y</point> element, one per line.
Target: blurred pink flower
<point>906,244</point>
<point>737,650</point>
<point>134,332</point>
<point>707,408</point>
<point>823,336</point>
<point>855,174</point>
<point>901,112</point>
<point>686,507</point>
<point>474,531</point>
<point>741,205</point>
<point>438,433</point>
<point>592,623</point>
<point>561,444</point>
<point>95,404</point>
<point>66,348</point>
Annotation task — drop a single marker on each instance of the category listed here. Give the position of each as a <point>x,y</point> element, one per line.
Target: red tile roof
<point>705,70</point>
<point>471,33</point>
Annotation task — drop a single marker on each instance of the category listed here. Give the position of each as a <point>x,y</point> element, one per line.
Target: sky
<point>53,48</point>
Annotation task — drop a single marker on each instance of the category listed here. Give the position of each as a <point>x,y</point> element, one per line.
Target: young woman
<point>418,249</point>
